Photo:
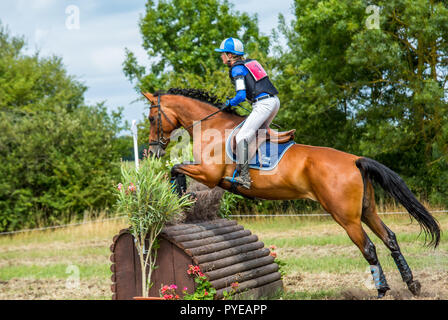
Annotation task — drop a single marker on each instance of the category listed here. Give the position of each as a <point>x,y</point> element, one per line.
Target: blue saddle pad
<point>268,156</point>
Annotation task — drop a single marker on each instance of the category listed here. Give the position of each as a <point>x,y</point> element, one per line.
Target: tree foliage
<point>31,83</point>
<point>377,92</point>
<point>180,36</point>
<point>59,157</point>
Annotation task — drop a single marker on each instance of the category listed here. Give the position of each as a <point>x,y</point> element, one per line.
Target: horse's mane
<point>197,94</point>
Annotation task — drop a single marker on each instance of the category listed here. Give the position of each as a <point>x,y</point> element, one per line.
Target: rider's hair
<point>235,56</point>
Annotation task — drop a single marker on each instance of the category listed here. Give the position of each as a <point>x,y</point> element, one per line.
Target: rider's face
<point>225,58</point>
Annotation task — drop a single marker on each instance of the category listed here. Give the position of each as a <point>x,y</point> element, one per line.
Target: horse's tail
<point>395,186</point>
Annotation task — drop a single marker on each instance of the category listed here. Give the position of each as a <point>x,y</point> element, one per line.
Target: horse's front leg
<point>205,174</point>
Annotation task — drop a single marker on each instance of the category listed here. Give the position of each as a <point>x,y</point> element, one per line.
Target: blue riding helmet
<point>231,45</point>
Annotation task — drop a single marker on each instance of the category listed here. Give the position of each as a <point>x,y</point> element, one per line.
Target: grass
<point>321,261</point>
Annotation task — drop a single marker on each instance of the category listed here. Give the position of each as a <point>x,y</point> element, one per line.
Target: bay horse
<point>339,181</point>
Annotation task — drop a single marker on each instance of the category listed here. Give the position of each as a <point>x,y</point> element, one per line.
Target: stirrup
<point>239,180</point>
<point>244,183</point>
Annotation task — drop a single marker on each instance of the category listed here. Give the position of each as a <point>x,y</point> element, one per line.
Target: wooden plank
<point>244,276</point>
<point>164,273</point>
<point>221,245</point>
<point>228,252</point>
<point>220,238</point>
<point>181,278</point>
<point>229,261</point>
<point>124,267</point>
<point>239,267</point>
<point>137,272</point>
<point>250,284</point>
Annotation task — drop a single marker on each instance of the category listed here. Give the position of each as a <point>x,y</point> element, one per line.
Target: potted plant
<point>146,196</point>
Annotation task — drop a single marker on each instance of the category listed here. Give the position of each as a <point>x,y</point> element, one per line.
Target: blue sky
<point>94,53</point>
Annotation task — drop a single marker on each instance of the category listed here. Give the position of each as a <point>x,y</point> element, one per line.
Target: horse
<point>339,181</point>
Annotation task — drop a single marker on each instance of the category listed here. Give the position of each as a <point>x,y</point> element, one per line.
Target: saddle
<point>263,135</point>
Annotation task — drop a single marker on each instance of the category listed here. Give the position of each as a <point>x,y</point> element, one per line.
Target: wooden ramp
<point>223,249</point>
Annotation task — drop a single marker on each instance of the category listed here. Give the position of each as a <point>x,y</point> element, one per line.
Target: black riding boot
<point>242,167</point>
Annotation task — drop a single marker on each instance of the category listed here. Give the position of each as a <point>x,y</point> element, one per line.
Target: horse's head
<point>162,122</point>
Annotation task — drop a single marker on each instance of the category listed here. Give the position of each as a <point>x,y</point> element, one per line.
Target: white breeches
<point>263,112</point>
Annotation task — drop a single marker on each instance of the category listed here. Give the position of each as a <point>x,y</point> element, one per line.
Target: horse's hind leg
<point>360,238</point>
<point>373,221</point>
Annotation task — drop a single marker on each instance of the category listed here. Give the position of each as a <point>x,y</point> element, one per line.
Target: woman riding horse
<point>251,83</point>
<point>340,182</point>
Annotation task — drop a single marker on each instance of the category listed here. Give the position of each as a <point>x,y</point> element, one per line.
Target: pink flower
<point>205,293</point>
<point>120,186</point>
<point>164,288</point>
<point>185,289</point>
<point>272,247</point>
<point>234,285</point>
<point>273,254</point>
<point>132,188</point>
<point>173,287</point>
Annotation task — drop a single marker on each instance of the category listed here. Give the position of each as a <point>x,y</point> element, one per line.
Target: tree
<point>31,83</point>
<point>377,92</point>
<point>59,157</point>
<point>180,37</point>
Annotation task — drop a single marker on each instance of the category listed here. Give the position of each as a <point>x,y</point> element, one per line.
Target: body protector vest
<point>256,80</point>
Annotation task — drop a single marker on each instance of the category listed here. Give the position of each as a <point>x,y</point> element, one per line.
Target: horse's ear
<point>150,97</point>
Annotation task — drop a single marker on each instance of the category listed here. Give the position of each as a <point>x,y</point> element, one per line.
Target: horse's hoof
<point>382,292</point>
<point>415,287</point>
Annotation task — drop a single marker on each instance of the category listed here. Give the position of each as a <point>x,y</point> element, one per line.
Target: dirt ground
<point>77,250</point>
<point>351,286</point>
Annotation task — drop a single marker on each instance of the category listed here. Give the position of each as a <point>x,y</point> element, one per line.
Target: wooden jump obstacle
<point>224,251</point>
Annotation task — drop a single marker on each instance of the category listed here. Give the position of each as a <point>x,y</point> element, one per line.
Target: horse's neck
<point>191,111</point>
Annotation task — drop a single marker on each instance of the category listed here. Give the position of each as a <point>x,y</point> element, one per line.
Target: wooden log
<point>244,276</point>
<point>229,252</point>
<point>265,291</point>
<point>222,263</point>
<point>239,267</point>
<point>221,245</point>
<point>206,234</point>
<point>219,238</point>
<point>180,229</point>
<point>250,284</point>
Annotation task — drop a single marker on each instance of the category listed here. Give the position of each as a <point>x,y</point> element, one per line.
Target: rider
<point>251,83</point>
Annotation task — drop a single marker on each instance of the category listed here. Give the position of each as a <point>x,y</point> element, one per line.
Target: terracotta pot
<point>148,298</point>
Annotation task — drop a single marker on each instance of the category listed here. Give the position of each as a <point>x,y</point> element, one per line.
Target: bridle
<point>161,140</point>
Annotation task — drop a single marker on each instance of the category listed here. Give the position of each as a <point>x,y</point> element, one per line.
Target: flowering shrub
<point>204,289</point>
<point>280,263</point>
<point>233,289</point>
<point>146,196</point>
<point>169,292</point>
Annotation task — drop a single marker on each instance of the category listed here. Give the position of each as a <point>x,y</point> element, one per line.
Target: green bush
<point>56,164</point>
<point>146,196</point>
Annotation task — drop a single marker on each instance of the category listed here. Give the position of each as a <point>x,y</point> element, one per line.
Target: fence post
<point>134,133</point>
